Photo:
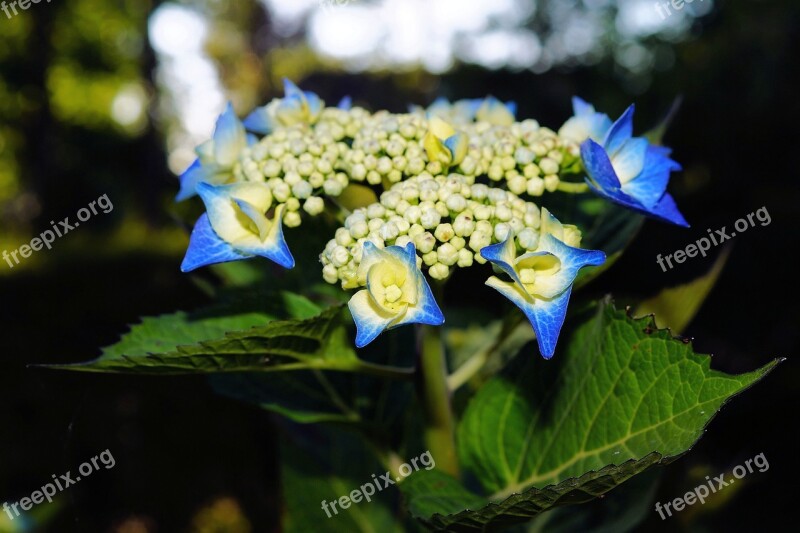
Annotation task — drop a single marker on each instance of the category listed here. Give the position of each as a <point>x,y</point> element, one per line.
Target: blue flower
<point>235,227</point>
<point>217,156</point>
<point>632,172</point>
<point>396,294</point>
<point>296,107</point>
<point>541,280</point>
<point>586,123</point>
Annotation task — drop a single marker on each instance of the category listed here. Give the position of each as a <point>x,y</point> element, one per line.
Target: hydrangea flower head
<point>632,172</point>
<point>217,156</point>
<point>236,227</point>
<point>296,107</point>
<point>396,293</point>
<point>541,280</point>
<point>586,123</point>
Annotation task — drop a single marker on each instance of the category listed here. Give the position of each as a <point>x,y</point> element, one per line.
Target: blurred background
<point>111,96</point>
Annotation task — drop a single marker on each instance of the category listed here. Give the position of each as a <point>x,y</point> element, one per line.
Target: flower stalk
<point>439,432</point>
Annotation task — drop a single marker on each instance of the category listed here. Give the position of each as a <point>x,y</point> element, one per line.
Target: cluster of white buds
<point>529,158</point>
<point>449,219</point>
<point>389,148</point>
<point>300,165</point>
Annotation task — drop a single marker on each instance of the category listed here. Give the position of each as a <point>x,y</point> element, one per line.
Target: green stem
<point>572,188</point>
<point>439,432</point>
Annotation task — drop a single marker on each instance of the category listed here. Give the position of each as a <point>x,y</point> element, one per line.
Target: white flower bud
<point>439,271</point>
<point>271,168</point>
<point>548,166</point>
<point>358,172</point>
<point>479,240</point>
<point>415,230</point>
<point>293,204</point>
<point>389,231</point>
<point>496,172</point>
<point>464,225</point>
<point>292,177</point>
<point>316,180</point>
<point>373,178</point>
<point>456,202</point>
<point>447,254</point>
<point>402,207</point>
<point>314,206</point>
<point>502,212</point>
<point>430,218</point>
<point>444,232</point>
<point>402,240</point>
<point>359,230</point>
<point>516,224</point>
<point>501,231</point>
<point>528,239</point>
<point>332,187</point>
<point>376,211</point>
<point>413,214</point>
<point>305,168</point>
<point>441,208</point>
<point>375,224</point>
<point>281,191</point>
<point>497,195</point>
<point>302,189</point>
<point>479,191</point>
<point>410,194</point>
<point>483,212</point>
<point>523,156</point>
<point>517,184</point>
<point>340,256</point>
<point>551,182</point>
<point>465,258</point>
<point>343,237</point>
<point>390,199</point>
<point>430,258</point>
<point>535,186</point>
<point>330,273</point>
<point>484,226</point>
<point>292,219</point>
<point>424,242</point>
<point>401,223</point>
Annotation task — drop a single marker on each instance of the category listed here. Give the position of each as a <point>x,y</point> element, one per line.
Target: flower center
<point>393,293</point>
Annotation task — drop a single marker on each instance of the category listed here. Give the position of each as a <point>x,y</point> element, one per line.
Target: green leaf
<point>185,344</point>
<point>324,465</point>
<point>619,397</point>
<point>675,307</point>
<point>441,503</point>
<point>371,402</point>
